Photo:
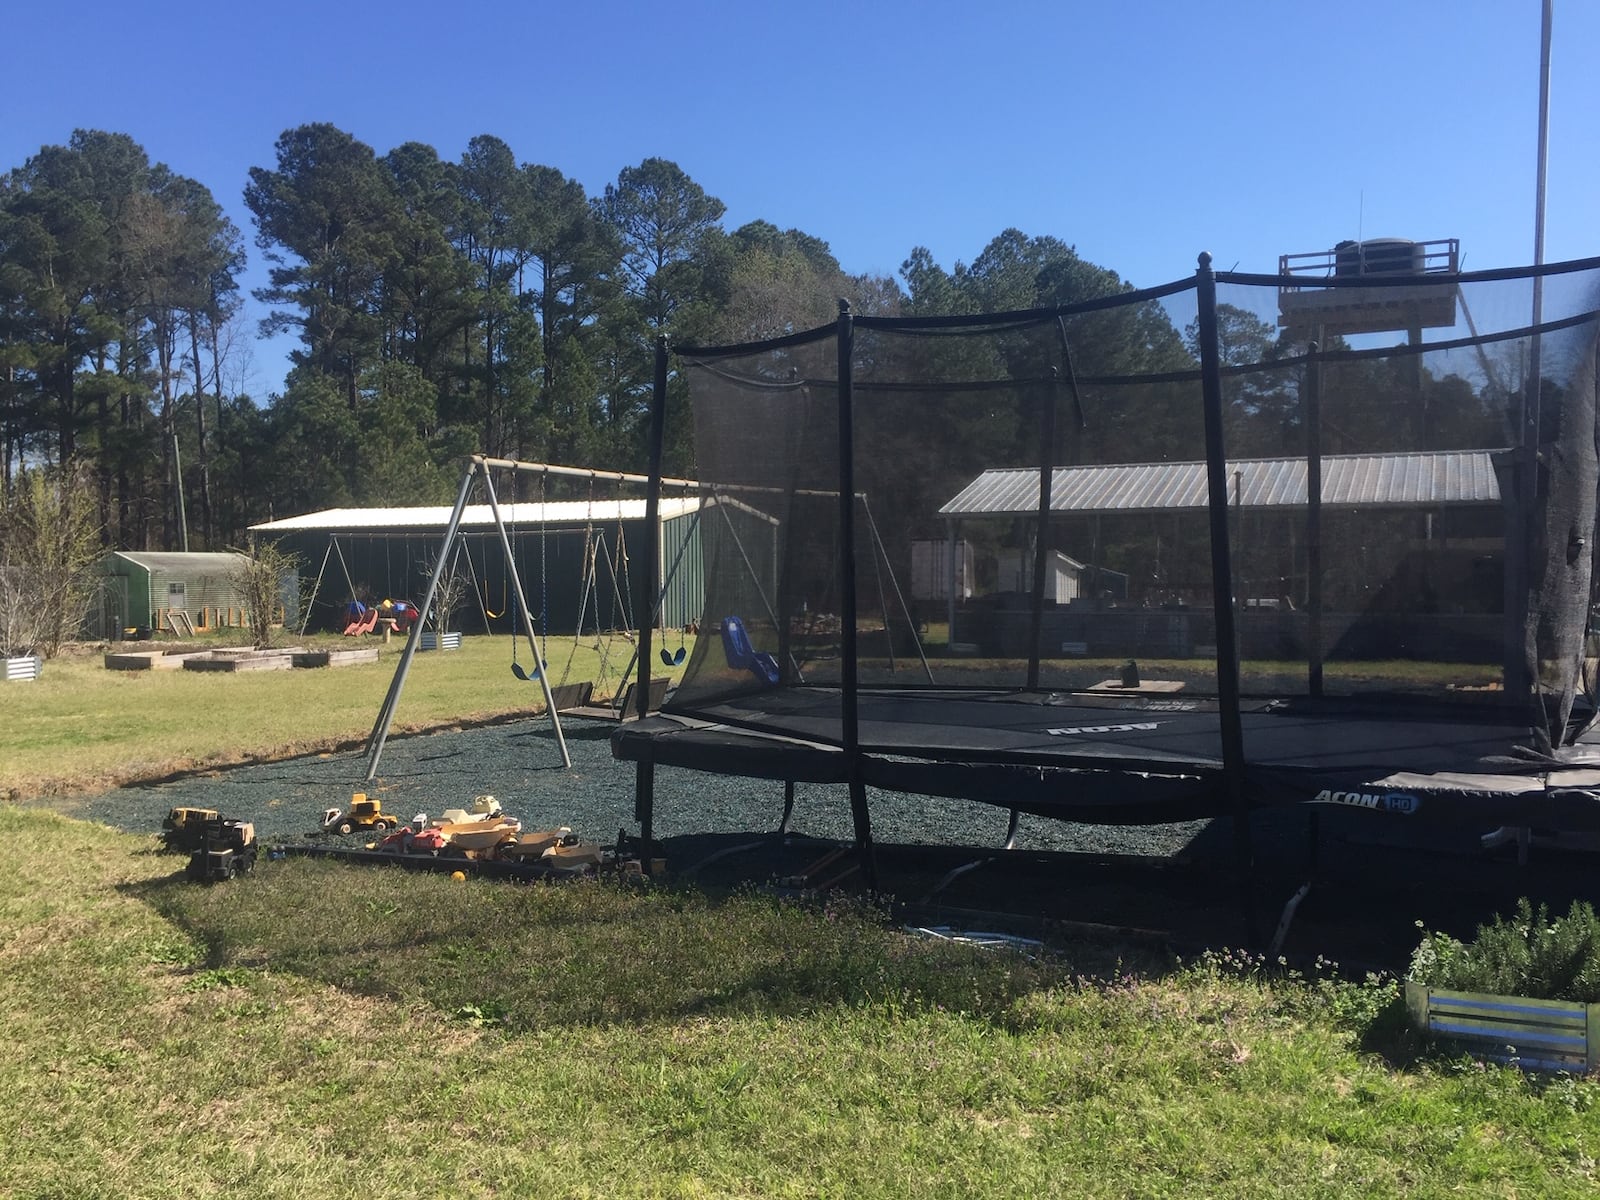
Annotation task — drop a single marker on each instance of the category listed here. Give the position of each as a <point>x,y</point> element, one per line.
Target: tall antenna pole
<point>1544,155</point>
<point>1526,682</point>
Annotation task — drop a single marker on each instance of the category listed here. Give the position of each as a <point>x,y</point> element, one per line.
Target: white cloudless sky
<point>1141,132</point>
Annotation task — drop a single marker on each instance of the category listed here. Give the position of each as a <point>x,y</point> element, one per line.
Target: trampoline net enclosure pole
<point>850,676</point>
<point>1222,600</point>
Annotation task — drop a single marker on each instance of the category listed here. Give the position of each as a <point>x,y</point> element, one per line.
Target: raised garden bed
<point>433,641</point>
<point>23,668</point>
<point>243,660</point>
<point>160,660</point>
<point>1544,1035</point>
<point>335,658</point>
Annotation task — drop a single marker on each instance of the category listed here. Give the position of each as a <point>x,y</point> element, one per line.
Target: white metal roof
<point>199,562</point>
<point>1355,481</point>
<point>523,515</point>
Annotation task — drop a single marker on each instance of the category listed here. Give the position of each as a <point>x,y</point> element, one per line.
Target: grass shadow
<point>595,953</point>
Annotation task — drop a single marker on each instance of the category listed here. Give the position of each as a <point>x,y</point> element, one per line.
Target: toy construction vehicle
<point>184,828</point>
<point>226,849</point>
<point>484,808</point>
<point>363,813</point>
<point>528,845</point>
<point>421,840</point>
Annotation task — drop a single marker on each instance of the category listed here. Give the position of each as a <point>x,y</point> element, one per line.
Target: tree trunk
<point>203,459</point>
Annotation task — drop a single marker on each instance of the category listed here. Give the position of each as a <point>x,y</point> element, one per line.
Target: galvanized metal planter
<point>1543,1035</point>
<point>27,667</point>
<point>434,641</point>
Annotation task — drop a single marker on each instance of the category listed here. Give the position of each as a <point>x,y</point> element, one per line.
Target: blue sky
<point>1141,132</point>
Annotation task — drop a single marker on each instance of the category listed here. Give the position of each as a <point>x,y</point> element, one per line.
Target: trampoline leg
<point>863,822</point>
<point>788,807</point>
<point>1011,831</point>
<point>953,875</point>
<point>644,803</point>
<point>1288,916</point>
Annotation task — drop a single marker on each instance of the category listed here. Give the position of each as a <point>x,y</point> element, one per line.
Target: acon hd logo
<point>1400,803</point>
<point>1077,729</point>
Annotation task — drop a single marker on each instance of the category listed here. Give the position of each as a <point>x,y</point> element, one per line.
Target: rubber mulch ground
<point>1372,878</point>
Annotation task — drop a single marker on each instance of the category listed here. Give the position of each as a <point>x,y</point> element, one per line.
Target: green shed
<point>145,589</point>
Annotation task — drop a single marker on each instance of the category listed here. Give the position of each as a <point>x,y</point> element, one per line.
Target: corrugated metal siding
<point>150,574</point>
<point>684,594</point>
<point>1370,481</point>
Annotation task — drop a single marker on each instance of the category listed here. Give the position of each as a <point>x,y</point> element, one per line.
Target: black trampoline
<point>1317,538</point>
<point>1116,761</point>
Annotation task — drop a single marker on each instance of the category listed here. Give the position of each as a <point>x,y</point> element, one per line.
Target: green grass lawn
<point>316,1029</point>
<point>402,1035</point>
<point>80,727</point>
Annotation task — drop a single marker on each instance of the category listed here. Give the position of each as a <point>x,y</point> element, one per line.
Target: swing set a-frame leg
<point>380,731</point>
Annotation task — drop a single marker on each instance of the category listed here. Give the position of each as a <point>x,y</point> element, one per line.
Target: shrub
<point>1527,955</point>
<point>261,580</point>
<point>49,554</point>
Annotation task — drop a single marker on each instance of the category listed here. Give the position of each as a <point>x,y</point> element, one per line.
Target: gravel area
<point>520,764</point>
<point>1375,878</point>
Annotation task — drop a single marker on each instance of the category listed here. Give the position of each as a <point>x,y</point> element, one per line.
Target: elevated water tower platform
<point>1375,286</point>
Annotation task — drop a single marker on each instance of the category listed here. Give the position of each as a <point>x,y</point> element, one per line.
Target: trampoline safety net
<point>1410,477</point>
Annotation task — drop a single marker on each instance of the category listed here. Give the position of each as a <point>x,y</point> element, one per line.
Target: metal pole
<point>644,778</point>
<point>899,595</point>
<point>1041,540</point>
<point>537,468</point>
<point>380,731</point>
<point>1544,152</point>
<point>1526,681</point>
<point>849,673</point>
<point>305,619</point>
<point>957,577</point>
<point>1313,415</point>
<point>653,517</point>
<point>527,617</point>
<point>177,475</point>
<point>1233,761</point>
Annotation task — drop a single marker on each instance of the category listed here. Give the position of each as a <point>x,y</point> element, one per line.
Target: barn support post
<point>1041,537</point>
<point>380,731</point>
<point>849,672</point>
<point>956,579</point>
<point>1222,605</point>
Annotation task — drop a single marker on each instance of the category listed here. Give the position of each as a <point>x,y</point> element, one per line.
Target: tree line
<point>439,307</point>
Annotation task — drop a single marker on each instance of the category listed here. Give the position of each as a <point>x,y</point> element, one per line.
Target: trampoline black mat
<point>1129,759</point>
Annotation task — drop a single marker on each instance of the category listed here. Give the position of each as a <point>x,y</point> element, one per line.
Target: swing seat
<point>367,623</point>
<point>742,656</point>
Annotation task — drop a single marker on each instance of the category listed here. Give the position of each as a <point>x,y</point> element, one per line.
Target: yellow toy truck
<point>185,828</point>
<point>363,813</point>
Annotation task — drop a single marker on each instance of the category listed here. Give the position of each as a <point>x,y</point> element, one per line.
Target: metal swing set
<point>598,559</point>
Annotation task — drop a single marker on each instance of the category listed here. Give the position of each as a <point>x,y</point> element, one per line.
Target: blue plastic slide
<point>743,656</point>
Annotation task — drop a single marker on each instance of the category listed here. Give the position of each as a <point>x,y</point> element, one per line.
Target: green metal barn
<point>579,561</point>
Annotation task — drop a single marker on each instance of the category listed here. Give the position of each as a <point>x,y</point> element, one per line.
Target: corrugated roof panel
<point>1366,480</point>
<point>476,516</point>
<point>195,562</point>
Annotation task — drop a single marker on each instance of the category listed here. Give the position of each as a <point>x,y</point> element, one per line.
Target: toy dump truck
<point>363,813</point>
<point>184,828</point>
<point>226,849</point>
<point>484,808</point>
